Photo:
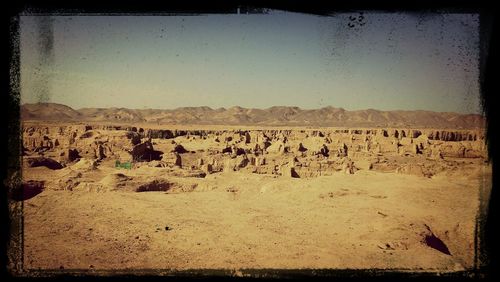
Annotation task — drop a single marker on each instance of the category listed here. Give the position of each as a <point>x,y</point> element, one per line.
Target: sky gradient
<point>355,61</point>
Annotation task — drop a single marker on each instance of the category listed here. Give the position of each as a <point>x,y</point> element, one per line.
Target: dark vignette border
<point>486,234</point>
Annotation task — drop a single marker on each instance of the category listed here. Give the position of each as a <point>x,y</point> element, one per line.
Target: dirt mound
<point>68,182</point>
<point>43,161</point>
<point>363,164</point>
<point>88,134</point>
<point>166,185</point>
<point>114,181</point>
<point>155,185</point>
<point>90,187</point>
<point>197,173</point>
<point>415,169</point>
<point>85,164</point>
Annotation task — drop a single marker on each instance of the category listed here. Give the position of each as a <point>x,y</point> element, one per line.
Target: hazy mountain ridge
<point>277,115</point>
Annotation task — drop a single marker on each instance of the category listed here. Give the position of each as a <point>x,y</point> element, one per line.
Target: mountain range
<point>273,116</point>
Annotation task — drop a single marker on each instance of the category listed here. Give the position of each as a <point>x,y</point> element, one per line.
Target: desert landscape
<point>121,189</point>
<point>251,140</point>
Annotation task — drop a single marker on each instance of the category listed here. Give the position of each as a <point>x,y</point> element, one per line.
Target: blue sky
<point>355,61</point>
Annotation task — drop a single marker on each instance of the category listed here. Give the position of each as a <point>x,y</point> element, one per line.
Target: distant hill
<point>49,111</point>
<point>286,116</point>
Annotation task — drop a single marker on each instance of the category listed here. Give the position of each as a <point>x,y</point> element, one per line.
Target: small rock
<point>382,214</point>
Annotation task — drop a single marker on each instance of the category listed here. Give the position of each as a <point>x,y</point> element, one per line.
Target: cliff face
<point>283,116</point>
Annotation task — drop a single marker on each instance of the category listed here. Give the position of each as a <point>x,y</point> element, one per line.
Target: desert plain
<point>117,194</point>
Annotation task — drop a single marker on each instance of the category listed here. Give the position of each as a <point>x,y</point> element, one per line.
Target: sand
<point>367,220</point>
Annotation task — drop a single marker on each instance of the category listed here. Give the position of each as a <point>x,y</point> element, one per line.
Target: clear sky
<point>374,60</point>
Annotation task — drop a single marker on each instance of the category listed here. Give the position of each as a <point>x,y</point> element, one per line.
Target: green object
<point>126,165</point>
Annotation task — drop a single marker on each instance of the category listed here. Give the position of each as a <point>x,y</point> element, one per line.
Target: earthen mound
<point>114,181</point>
<point>69,182</point>
<point>85,164</point>
<point>155,185</point>
<point>43,161</point>
<point>166,185</point>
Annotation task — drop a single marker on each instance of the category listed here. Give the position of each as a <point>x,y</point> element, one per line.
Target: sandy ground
<point>240,220</point>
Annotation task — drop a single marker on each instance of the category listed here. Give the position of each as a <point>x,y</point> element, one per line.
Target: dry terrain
<point>201,196</point>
